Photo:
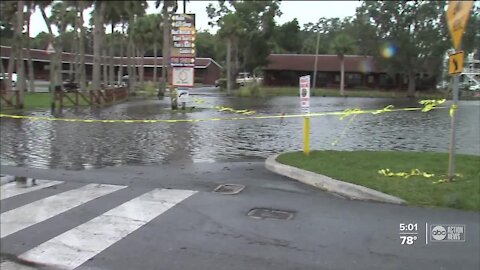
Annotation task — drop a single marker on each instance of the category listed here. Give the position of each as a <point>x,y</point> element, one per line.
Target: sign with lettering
<point>458,13</point>
<point>182,46</point>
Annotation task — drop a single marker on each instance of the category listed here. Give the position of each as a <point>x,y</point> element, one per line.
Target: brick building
<point>360,72</point>
<point>206,69</point>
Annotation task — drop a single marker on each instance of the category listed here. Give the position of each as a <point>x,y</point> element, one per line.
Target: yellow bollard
<point>306,136</point>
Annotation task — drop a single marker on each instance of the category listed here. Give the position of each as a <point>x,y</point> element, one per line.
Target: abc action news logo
<point>447,233</point>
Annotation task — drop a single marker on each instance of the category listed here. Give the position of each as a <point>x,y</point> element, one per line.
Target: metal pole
<point>229,72</point>
<point>451,157</point>
<point>184,6</point>
<point>316,58</point>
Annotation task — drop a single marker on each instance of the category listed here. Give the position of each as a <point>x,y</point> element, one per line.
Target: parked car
<point>475,87</point>
<point>243,78</point>
<point>5,76</point>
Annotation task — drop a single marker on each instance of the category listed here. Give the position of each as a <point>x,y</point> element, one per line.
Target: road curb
<point>326,183</point>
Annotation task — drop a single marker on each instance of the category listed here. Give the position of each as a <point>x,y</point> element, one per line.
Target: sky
<point>304,11</point>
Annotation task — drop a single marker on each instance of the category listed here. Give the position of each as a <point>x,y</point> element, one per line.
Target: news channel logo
<point>447,233</point>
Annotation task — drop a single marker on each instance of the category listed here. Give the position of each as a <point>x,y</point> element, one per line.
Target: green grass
<point>330,92</point>
<point>39,101</point>
<point>361,167</point>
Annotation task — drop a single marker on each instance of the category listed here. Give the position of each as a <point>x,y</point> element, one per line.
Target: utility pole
<point>316,58</point>
<point>229,71</point>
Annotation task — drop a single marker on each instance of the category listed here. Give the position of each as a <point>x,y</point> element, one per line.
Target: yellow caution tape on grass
<point>414,172</point>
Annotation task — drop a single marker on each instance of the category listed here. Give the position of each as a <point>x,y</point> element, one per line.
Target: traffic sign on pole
<point>457,16</point>
<point>455,63</point>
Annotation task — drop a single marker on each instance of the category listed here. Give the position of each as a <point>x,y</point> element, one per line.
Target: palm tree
<point>113,15</point>
<point>98,16</point>
<point>31,5</point>
<point>134,9</point>
<point>7,12</point>
<point>19,53</point>
<point>342,44</point>
<point>169,7</point>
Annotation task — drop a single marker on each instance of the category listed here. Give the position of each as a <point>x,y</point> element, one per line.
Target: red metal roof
<point>42,56</point>
<point>306,62</point>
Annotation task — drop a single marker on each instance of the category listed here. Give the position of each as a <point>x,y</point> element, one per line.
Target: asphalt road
<point>208,230</point>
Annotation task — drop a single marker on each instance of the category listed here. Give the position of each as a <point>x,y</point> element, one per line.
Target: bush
<point>251,90</point>
<point>149,89</point>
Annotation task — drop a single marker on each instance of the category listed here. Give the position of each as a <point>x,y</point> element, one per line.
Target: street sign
<point>457,16</point>
<point>183,76</point>
<point>305,93</point>
<point>50,48</point>
<point>455,63</point>
<point>183,38</point>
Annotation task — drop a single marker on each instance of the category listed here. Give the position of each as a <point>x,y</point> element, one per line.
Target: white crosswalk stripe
<point>41,210</point>
<point>74,247</point>
<point>15,188</point>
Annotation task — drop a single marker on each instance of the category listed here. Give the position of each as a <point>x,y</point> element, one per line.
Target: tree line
<point>247,33</point>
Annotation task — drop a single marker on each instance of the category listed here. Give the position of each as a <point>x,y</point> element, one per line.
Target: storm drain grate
<point>265,213</point>
<point>229,189</point>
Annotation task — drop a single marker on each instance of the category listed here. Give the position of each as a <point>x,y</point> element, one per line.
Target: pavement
<point>168,217</point>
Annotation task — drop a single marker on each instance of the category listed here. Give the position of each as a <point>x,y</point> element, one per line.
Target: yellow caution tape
<point>344,131</point>
<point>342,115</point>
<point>430,104</point>
<point>413,172</point>
<point>453,108</point>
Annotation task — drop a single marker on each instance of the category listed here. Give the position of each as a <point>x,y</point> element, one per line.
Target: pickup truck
<point>244,78</point>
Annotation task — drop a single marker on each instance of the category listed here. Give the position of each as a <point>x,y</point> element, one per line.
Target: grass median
<point>263,91</point>
<point>39,101</point>
<point>361,168</point>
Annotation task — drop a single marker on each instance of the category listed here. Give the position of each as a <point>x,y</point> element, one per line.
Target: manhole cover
<point>229,189</point>
<point>265,213</point>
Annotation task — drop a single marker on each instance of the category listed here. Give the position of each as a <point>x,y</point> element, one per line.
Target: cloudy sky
<point>304,11</point>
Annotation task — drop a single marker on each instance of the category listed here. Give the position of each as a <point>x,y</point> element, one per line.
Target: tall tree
<point>98,16</point>
<point>416,28</point>
<point>286,38</point>
<point>18,45</point>
<point>31,6</point>
<point>168,8</point>
<point>342,45</point>
<point>247,25</point>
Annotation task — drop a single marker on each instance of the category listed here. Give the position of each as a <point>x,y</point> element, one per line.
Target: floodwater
<point>76,145</point>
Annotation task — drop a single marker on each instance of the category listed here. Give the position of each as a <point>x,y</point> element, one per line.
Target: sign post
<point>305,104</point>
<point>182,53</point>
<point>458,13</point>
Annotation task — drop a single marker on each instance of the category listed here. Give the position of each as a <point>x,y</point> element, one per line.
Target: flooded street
<point>77,145</point>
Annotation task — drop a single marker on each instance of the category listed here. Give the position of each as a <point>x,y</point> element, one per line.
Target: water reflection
<point>89,145</point>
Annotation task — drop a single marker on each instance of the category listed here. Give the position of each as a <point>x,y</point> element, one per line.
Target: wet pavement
<point>209,230</point>
<point>76,146</point>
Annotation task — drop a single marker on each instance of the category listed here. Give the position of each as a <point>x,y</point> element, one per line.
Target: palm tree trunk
<point>81,44</point>
<point>411,84</point>
<point>112,67</point>
<point>155,62</point>
<point>142,66</point>
<point>97,44</point>
<point>131,67</point>
<point>31,74</point>
<point>105,67</point>
<point>19,51</point>
<point>342,75</point>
